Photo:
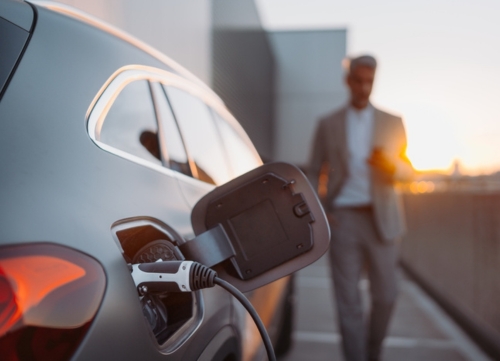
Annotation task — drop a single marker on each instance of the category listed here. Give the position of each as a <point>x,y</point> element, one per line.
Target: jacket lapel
<point>378,129</point>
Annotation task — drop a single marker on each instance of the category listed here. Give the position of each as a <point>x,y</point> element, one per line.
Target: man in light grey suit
<point>358,157</point>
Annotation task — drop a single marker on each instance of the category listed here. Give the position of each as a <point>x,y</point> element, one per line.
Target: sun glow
<point>448,119</point>
<point>435,144</point>
<point>432,142</point>
<point>431,149</point>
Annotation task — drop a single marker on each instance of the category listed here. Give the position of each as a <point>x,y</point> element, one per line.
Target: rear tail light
<point>49,295</point>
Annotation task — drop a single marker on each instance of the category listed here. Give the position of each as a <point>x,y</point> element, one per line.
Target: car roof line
<point>102,25</point>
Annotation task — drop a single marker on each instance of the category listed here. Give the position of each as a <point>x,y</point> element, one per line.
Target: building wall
<point>243,70</point>
<point>309,84</point>
<point>236,15</point>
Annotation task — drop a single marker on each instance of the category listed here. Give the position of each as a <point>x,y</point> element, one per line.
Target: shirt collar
<point>365,113</point>
<point>368,109</point>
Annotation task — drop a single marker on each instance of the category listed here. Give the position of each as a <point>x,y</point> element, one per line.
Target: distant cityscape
<point>456,181</point>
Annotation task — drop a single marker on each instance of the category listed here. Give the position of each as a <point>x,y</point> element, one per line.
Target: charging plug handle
<point>187,276</point>
<point>172,276</point>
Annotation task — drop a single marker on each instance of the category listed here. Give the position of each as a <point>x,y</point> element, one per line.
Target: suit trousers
<point>355,247</point>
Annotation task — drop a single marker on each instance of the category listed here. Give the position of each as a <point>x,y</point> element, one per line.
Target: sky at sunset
<point>439,67</point>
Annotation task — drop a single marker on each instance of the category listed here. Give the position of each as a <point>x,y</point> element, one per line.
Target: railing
<point>453,248</point>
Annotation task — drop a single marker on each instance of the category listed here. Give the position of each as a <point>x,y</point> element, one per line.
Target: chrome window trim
<point>99,109</point>
<point>106,96</point>
<point>160,119</point>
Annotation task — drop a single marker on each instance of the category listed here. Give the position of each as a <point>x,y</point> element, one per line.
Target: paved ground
<point>419,330</point>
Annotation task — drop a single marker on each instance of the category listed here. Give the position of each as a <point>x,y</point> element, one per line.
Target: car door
<point>132,120</point>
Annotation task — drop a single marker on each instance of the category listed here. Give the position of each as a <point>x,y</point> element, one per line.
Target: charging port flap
<point>273,221</point>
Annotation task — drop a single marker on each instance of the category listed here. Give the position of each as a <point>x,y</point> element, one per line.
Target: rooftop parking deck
<point>419,330</point>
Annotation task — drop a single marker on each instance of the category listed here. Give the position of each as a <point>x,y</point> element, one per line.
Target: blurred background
<point>278,66</point>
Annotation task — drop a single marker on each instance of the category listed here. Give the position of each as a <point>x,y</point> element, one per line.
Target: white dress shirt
<point>359,129</point>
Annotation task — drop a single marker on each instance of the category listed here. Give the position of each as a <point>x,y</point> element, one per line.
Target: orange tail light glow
<point>48,297</point>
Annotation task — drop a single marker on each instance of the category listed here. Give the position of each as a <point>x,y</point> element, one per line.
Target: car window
<point>11,45</point>
<point>201,137</point>
<point>242,156</point>
<point>130,124</point>
<point>175,156</point>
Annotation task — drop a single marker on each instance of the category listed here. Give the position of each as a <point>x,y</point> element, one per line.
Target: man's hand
<point>381,162</point>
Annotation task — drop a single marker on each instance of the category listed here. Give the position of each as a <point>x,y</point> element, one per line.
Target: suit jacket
<point>329,167</point>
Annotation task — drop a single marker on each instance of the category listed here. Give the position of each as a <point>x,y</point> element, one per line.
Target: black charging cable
<point>187,276</point>
<point>244,301</point>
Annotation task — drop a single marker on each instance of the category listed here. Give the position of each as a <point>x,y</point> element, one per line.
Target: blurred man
<point>358,155</point>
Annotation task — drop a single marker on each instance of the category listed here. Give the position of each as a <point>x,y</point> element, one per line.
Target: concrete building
<point>309,84</point>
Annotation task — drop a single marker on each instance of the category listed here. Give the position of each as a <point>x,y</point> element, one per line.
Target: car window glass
<point>241,156</point>
<point>130,124</point>
<point>201,137</point>
<point>11,44</point>
<point>176,157</point>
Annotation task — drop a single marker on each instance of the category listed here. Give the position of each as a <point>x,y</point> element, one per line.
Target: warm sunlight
<point>431,144</point>
<point>443,126</point>
<point>438,137</point>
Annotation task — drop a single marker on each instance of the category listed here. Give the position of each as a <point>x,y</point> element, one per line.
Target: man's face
<point>360,83</point>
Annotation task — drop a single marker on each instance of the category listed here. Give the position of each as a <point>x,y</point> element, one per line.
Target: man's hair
<point>364,60</point>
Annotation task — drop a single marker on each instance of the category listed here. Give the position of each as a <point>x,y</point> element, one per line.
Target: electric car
<point>106,145</point>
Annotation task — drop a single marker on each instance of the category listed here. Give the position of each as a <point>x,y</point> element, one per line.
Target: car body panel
<point>58,186</point>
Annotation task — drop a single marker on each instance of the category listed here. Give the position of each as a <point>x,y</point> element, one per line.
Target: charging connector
<point>188,276</point>
<point>172,276</point>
